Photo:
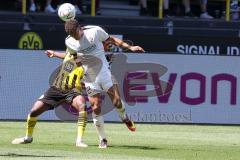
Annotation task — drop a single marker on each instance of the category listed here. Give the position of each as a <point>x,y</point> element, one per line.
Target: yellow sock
<point>31,122</point>
<point>82,122</point>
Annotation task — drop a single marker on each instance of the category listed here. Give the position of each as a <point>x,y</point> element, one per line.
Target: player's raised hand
<point>49,53</point>
<point>136,49</point>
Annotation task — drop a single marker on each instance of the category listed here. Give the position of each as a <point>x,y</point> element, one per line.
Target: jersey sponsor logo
<point>89,49</point>
<point>69,66</point>
<point>91,39</point>
<point>30,40</point>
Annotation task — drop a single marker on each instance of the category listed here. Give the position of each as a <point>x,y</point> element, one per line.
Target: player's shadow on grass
<point>24,155</point>
<point>134,147</point>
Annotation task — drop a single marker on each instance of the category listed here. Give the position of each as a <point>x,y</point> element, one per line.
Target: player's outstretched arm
<point>51,53</point>
<point>122,44</point>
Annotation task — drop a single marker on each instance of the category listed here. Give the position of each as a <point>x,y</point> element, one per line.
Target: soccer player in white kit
<point>87,42</point>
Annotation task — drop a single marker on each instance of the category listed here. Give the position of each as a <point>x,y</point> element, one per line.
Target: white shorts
<point>102,82</point>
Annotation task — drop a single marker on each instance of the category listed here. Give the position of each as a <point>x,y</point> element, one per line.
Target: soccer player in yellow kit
<point>66,88</point>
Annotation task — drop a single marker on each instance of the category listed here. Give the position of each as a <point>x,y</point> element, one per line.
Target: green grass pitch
<point>56,141</point>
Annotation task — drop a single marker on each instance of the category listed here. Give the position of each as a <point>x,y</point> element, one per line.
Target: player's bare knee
<point>37,109</point>
<point>79,99</point>
<point>81,106</point>
<point>96,109</point>
<point>34,112</point>
<point>79,103</point>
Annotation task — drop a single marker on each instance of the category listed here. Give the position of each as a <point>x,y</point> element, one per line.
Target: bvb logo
<point>30,40</point>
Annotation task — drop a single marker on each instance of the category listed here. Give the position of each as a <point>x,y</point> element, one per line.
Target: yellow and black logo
<point>30,40</point>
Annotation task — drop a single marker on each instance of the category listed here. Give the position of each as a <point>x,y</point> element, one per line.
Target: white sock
<point>79,140</point>
<point>99,125</point>
<point>28,137</point>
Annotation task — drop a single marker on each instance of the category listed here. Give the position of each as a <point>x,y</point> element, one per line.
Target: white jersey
<point>90,48</point>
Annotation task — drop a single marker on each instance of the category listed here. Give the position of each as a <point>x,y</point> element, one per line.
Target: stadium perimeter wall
<point>156,87</point>
<point>170,36</point>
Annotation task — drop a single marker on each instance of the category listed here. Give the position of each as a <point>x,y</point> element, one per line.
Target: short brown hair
<point>71,27</point>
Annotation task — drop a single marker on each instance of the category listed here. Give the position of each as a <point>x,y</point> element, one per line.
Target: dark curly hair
<point>71,27</point>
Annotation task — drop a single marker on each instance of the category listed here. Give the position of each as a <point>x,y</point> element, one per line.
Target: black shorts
<point>55,97</point>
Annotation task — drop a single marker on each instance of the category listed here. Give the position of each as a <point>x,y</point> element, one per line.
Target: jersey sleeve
<point>72,45</point>
<point>102,34</point>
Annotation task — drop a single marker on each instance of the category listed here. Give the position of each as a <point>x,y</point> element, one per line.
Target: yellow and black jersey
<point>70,74</point>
